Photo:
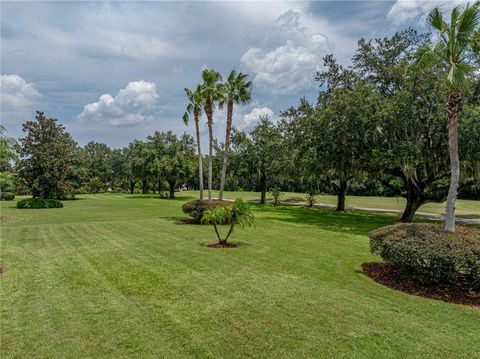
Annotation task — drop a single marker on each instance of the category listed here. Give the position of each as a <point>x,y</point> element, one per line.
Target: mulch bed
<point>218,245</point>
<point>3,270</point>
<point>389,276</point>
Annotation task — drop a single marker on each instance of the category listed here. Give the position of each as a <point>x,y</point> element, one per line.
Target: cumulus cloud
<point>289,66</point>
<point>16,93</point>
<point>404,11</point>
<point>17,99</point>
<point>254,116</point>
<point>131,106</point>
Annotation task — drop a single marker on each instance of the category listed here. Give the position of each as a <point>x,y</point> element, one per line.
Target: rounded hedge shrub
<point>39,203</point>
<point>428,254</point>
<point>8,196</point>
<point>196,208</point>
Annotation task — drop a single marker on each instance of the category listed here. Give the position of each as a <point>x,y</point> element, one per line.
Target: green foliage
<point>46,156</point>
<point>37,203</point>
<point>236,213</point>
<point>6,181</point>
<point>197,208</point>
<point>8,196</point>
<point>276,193</point>
<point>94,185</point>
<point>428,254</point>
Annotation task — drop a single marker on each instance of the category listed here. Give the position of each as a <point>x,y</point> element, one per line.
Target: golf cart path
<point>434,216</point>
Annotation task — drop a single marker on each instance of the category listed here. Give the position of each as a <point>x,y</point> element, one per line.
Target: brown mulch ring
<point>3,270</point>
<point>223,245</point>
<point>389,276</point>
<point>188,221</point>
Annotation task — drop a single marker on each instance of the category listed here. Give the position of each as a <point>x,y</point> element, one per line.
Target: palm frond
<point>435,19</point>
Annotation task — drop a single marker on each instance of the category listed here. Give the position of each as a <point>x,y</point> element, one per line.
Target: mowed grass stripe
<point>123,278</point>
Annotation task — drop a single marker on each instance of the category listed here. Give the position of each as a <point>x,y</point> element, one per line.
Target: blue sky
<point>115,71</point>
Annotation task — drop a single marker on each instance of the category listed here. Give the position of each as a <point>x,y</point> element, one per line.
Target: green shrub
<point>8,196</point>
<point>39,203</point>
<point>196,208</point>
<point>428,254</point>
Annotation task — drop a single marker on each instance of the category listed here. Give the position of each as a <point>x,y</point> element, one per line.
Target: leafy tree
<point>456,49</point>
<point>237,213</point>
<point>409,142</point>
<point>94,185</point>
<point>98,162</point>
<point>45,157</point>
<point>196,102</point>
<point>212,93</point>
<point>264,153</point>
<point>173,157</point>
<point>139,159</point>
<point>237,90</point>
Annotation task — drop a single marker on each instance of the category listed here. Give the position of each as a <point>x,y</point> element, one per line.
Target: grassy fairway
<point>119,276</point>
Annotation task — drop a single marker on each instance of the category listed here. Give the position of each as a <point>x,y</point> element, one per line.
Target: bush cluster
<point>8,196</point>
<point>428,254</point>
<point>39,203</point>
<point>197,208</point>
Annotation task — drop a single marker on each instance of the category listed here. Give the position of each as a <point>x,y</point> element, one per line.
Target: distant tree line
<point>377,127</point>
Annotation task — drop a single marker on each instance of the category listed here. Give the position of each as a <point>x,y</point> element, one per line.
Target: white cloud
<point>16,93</point>
<point>404,11</point>
<point>289,66</point>
<point>17,99</point>
<point>253,117</point>
<point>132,105</point>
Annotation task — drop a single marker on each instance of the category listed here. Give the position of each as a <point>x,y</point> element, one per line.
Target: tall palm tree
<point>456,48</point>
<point>195,105</point>
<point>212,93</point>
<point>237,90</point>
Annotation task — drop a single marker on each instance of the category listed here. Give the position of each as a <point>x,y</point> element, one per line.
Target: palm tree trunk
<point>210,147</point>
<point>200,159</point>
<point>453,111</point>
<point>227,147</point>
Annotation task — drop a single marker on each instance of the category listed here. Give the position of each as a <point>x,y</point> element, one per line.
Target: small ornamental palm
<point>276,194</point>
<point>457,50</point>
<point>238,213</point>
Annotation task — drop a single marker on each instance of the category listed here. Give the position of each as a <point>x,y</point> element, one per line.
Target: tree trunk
<point>171,185</point>
<point>144,186</point>
<point>263,188</point>
<point>414,201</point>
<point>453,111</point>
<point>200,158</point>
<point>159,186</point>
<point>132,187</point>
<point>210,146</point>
<point>341,192</point>
<point>227,147</point>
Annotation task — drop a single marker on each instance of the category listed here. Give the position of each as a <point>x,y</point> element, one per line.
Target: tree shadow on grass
<point>326,219</point>
<point>156,196</point>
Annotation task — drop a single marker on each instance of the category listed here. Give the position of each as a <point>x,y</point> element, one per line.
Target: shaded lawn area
<point>465,208</point>
<point>112,276</point>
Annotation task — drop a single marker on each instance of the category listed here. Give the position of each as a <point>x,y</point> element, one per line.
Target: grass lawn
<point>114,275</point>
<point>467,208</point>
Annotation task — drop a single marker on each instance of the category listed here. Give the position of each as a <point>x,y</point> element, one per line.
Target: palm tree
<point>455,49</point>
<point>194,107</point>
<point>212,92</point>
<point>237,91</point>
